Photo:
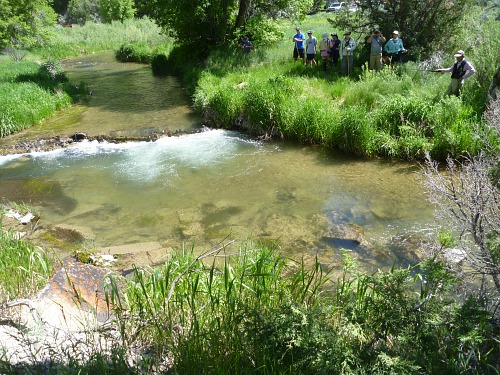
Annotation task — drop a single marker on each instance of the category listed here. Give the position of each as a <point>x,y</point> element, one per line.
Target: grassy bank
<point>257,312</point>
<point>97,37</point>
<point>31,91</point>
<point>398,113</point>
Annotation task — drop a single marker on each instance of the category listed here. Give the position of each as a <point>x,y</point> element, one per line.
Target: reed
<point>253,311</point>
<point>24,268</point>
<point>197,312</point>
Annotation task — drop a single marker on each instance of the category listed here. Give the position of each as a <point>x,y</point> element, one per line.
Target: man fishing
<point>460,71</point>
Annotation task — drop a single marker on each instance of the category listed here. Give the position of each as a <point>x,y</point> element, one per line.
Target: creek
<point>142,199</point>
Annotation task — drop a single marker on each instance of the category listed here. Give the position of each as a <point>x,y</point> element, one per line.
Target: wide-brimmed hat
<point>459,53</point>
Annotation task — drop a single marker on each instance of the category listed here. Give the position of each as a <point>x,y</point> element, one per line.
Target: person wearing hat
<point>324,47</point>
<point>298,49</point>
<point>347,47</point>
<point>311,43</point>
<point>394,48</point>
<point>246,45</point>
<point>376,41</point>
<point>334,49</point>
<point>460,70</point>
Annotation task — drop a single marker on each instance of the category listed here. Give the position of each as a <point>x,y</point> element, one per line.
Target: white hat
<point>395,32</point>
<point>459,53</point>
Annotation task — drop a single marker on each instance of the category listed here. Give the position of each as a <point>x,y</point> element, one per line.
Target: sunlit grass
<point>24,268</point>
<point>96,37</point>
<point>398,113</point>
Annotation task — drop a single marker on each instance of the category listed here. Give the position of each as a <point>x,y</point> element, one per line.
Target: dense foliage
<point>203,25</point>
<point>23,22</point>
<point>253,311</point>
<point>260,311</point>
<point>425,25</point>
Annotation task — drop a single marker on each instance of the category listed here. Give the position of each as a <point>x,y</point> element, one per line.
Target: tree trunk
<point>242,11</point>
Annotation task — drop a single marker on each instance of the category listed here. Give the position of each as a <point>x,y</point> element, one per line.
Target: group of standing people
<point>381,51</point>
<point>331,50</point>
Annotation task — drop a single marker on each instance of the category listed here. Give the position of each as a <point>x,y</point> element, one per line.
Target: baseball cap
<point>459,53</point>
<point>395,32</point>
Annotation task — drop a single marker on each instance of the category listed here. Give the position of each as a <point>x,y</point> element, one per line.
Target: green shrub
<point>134,52</point>
<point>354,133</point>
<point>263,101</point>
<point>159,65</point>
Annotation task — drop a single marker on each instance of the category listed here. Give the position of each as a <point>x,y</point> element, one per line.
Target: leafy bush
<point>135,52</point>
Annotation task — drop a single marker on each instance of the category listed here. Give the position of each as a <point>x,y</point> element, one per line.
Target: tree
<point>205,24</point>
<point>424,25</point>
<point>22,22</point>
<point>81,11</point>
<point>116,10</point>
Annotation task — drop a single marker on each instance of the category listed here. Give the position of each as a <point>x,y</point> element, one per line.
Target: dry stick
<point>19,302</point>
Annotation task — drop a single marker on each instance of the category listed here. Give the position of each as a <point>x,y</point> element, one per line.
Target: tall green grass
<point>29,93</point>
<point>24,268</point>
<point>253,311</point>
<point>96,37</point>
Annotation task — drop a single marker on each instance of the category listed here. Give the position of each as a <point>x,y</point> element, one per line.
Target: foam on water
<point>144,161</point>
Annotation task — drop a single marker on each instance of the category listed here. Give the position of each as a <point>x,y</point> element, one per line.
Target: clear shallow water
<point>208,186</point>
<point>202,187</point>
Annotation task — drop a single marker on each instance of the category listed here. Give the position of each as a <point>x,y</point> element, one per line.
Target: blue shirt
<point>299,45</point>
<point>394,46</point>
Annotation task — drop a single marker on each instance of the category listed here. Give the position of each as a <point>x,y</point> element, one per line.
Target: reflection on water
<point>204,186</point>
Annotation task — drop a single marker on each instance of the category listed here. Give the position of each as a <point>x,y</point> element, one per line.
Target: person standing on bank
<point>376,41</point>
<point>460,70</point>
<point>246,45</point>
<point>311,43</point>
<point>347,47</point>
<point>324,47</point>
<point>298,50</point>
<point>334,49</point>
<point>394,48</point>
